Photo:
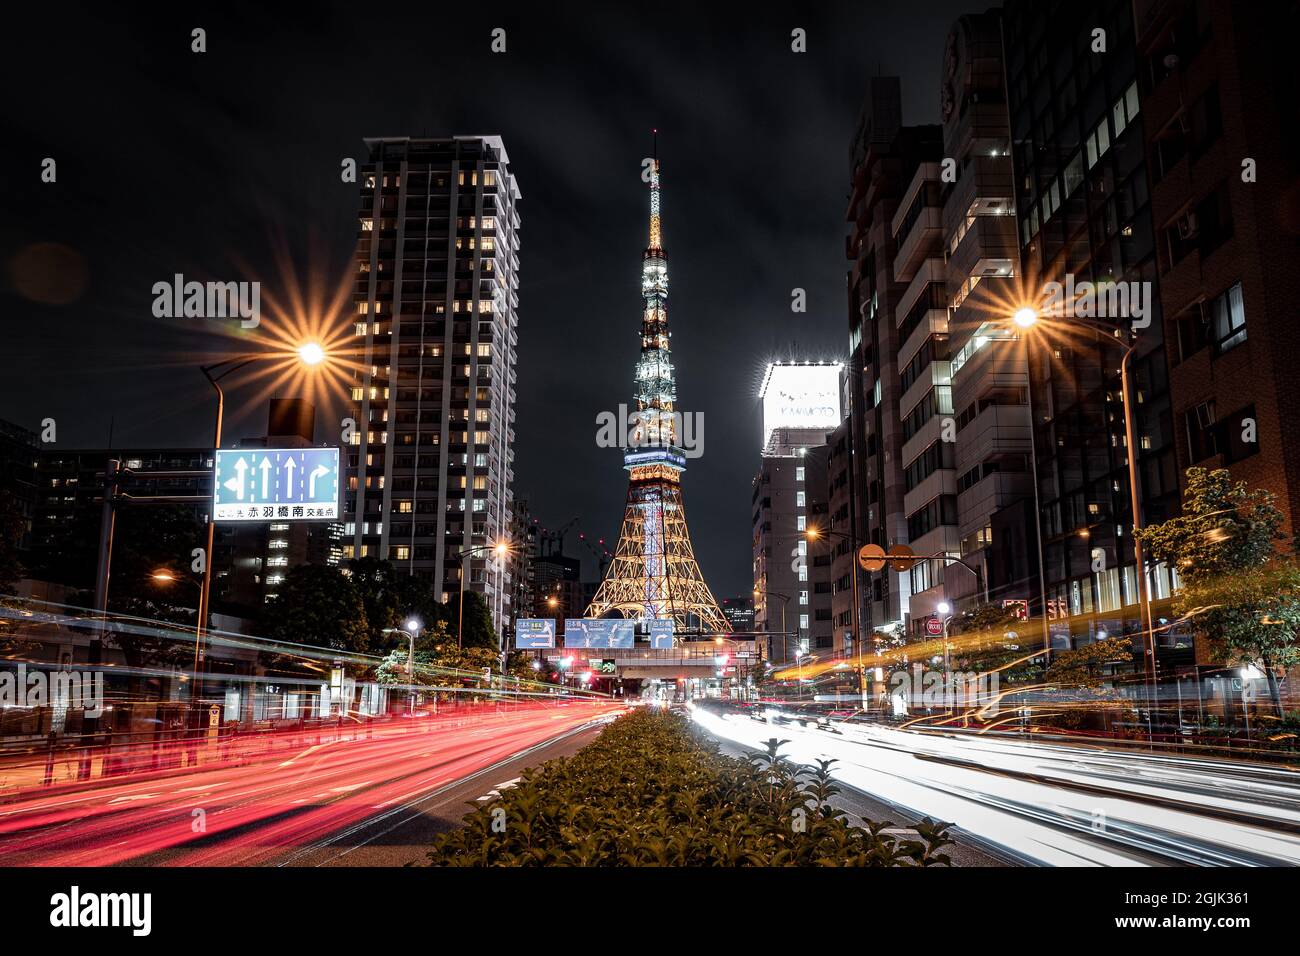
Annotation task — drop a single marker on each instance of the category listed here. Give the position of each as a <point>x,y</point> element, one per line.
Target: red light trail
<point>255,806</point>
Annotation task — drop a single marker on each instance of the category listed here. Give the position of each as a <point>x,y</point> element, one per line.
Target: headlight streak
<point>1060,805</point>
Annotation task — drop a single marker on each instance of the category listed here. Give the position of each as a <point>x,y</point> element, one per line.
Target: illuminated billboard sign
<point>599,632</point>
<point>800,396</point>
<point>276,484</point>
<point>661,633</point>
<point>534,632</point>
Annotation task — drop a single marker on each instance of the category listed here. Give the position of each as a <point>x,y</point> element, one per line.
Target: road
<point>403,835</point>
<point>262,808</point>
<point>1056,805</point>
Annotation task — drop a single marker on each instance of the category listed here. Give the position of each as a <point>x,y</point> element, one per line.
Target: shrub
<point>649,791</point>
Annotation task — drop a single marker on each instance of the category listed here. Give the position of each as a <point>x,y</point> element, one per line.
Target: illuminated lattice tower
<point>654,573</point>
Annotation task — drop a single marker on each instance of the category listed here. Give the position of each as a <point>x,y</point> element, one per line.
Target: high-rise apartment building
<point>924,362</point>
<point>1084,212</point>
<point>989,385</point>
<point>884,159</point>
<point>430,465</point>
<point>1218,90</point>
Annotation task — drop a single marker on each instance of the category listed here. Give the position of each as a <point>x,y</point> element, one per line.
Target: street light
<point>813,533</point>
<point>165,577</point>
<point>310,354</point>
<point>411,629</point>
<point>1028,318</point>
<point>500,549</point>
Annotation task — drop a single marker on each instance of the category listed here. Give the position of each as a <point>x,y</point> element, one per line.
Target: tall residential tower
<point>431,462</point>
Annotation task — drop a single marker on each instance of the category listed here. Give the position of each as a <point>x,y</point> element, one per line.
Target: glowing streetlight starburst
<point>311,353</point>
<point>1025,317</point>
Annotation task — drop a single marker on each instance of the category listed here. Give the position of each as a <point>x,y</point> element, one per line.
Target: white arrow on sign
<point>236,484</point>
<point>266,475</point>
<point>289,466</point>
<point>320,471</point>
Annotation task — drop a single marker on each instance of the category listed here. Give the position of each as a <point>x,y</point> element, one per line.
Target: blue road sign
<point>661,633</point>
<point>276,484</point>
<point>599,632</point>
<point>534,632</point>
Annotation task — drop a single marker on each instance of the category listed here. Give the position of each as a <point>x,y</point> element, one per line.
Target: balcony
<point>941,481</point>
<point>921,242</point>
<point>934,270</point>
<point>997,430</point>
<point>936,373</point>
<point>1000,363</point>
<point>932,321</point>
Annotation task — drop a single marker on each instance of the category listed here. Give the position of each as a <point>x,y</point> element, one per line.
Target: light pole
<point>501,548</point>
<point>1027,318</point>
<point>310,354</point>
<point>785,599</point>
<point>944,608</point>
<point>411,629</point>
<point>813,534</point>
<point>164,577</point>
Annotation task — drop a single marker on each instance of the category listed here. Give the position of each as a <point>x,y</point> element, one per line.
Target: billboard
<point>599,632</point>
<point>534,632</point>
<point>661,633</point>
<point>275,484</point>
<point>800,396</point>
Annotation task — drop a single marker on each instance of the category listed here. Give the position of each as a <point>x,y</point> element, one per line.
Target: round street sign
<point>901,557</point>
<point>871,557</point>
<point>934,626</point>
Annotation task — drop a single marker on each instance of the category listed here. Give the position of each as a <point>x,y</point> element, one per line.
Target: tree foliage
<point>479,631</point>
<point>319,606</point>
<point>1240,593</point>
<point>1084,666</point>
<point>650,792</point>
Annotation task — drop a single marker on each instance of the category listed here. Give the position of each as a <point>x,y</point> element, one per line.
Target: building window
<point>1228,319</point>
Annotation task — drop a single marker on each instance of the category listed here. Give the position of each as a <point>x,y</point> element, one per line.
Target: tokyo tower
<point>654,574</point>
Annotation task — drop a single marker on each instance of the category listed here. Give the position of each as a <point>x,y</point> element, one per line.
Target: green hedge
<point>650,791</point>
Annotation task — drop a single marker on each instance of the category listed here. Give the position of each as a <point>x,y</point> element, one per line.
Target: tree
<point>1240,594</point>
<point>1082,670</point>
<point>375,581</point>
<point>148,538</point>
<point>995,638</point>
<point>1081,667</point>
<point>479,631</point>
<point>320,606</point>
<point>391,598</point>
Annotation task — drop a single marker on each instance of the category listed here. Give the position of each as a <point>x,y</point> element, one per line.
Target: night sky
<point>225,165</point>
